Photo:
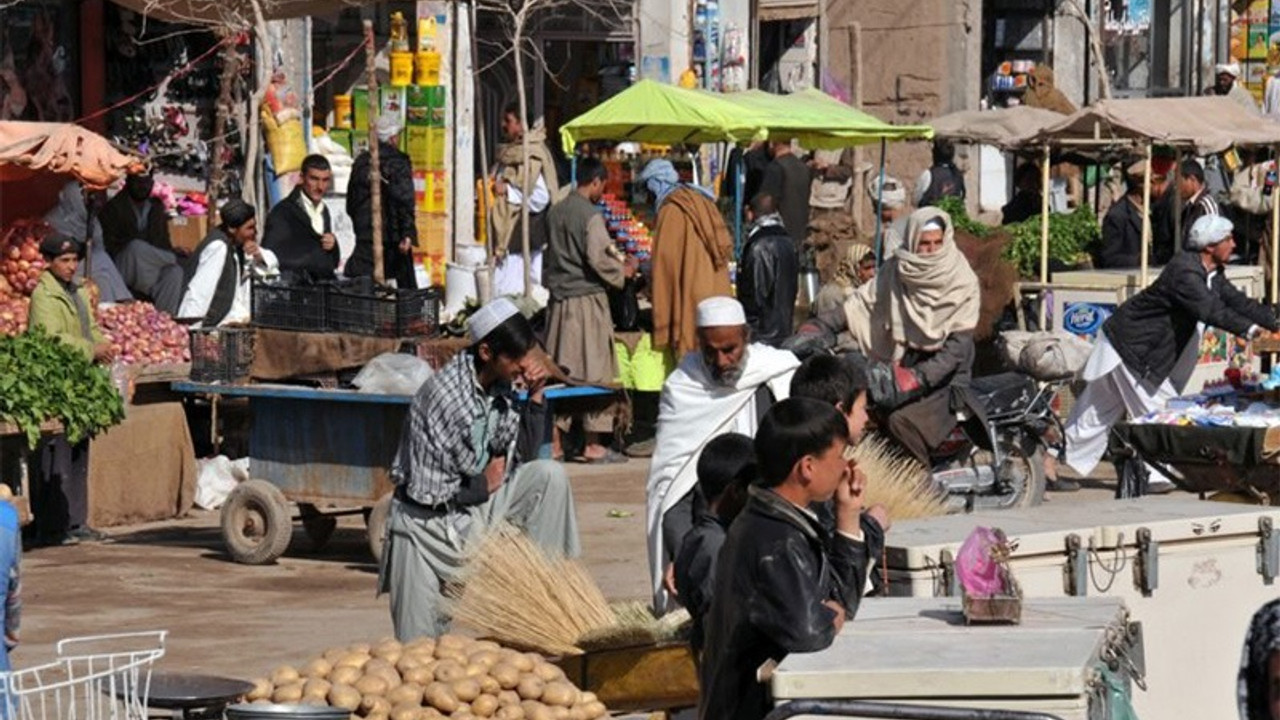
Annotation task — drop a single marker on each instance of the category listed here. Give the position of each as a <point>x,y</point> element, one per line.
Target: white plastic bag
<point>393,374</point>
<point>216,478</point>
<point>1045,355</point>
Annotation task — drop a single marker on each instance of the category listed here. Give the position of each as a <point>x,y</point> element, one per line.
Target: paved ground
<point>241,620</point>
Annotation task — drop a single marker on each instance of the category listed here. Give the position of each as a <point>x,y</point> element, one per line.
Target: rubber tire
<point>318,526</point>
<point>1036,483</point>
<point>256,502</point>
<point>376,522</point>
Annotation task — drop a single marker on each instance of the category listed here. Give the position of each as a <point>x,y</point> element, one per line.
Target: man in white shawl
<point>915,324</point>
<point>726,386</point>
<point>71,217</point>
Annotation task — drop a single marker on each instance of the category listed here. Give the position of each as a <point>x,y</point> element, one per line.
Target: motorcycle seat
<point>1003,393</point>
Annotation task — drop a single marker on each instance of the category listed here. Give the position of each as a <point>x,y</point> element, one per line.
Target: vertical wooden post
<point>1146,217</point>
<point>375,171</point>
<point>1044,238</point>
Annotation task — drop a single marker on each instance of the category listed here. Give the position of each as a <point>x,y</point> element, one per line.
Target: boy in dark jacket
<point>783,582</point>
<point>769,274</point>
<point>726,468</point>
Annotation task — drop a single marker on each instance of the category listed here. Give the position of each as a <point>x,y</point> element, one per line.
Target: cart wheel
<point>319,526</point>
<point>376,522</point>
<point>256,527</point>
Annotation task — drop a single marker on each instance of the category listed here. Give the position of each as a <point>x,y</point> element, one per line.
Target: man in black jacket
<point>299,230</point>
<point>784,583</point>
<point>1197,201</point>
<point>135,230</point>
<point>399,224</point>
<point>1149,347</point>
<point>1122,229</point>
<point>769,274</point>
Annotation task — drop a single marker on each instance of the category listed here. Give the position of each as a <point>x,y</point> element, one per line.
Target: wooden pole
<point>1044,233</point>
<point>1272,253</point>
<point>485,186</point>
<point>230,67</point>
<point>375,171</point>
<point>1146,217</point>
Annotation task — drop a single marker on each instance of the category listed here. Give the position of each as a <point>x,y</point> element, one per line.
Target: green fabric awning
<point>818,121</point>
<point>655,113</point>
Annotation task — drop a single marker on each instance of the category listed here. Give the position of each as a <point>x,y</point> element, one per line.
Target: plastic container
<point>427,64</point>
<point>342,111</point>
<point>289,307</point>
<point>459,286</point>
<point>362,309</point>
<point>401,69</point>
<point>221,355</point>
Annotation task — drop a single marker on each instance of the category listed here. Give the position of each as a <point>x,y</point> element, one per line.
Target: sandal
<point>611,457</point>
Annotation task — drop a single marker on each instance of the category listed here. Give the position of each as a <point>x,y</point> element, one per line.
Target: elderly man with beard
<point>725,386</point>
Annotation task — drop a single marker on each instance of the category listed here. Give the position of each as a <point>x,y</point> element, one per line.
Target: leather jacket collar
<point>771,504</point>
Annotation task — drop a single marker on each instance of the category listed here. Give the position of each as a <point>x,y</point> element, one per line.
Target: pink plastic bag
<point>976,566</point>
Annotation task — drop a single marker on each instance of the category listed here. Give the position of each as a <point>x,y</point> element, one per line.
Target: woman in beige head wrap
<point>915,324</point>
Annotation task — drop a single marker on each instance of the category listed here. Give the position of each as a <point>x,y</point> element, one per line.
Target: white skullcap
<point>1207,231</point>
<point>387,127</point>
<point>894,193</point>
<point>493,314</point>
<point>934,224</point>
<point>720,311</point>
<point>1232,69</point>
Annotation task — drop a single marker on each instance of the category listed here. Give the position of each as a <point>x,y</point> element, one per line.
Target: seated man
<point>724,387</point>
<point>725,471</point>
<point>135,230</point>
<point>784,582</point>
<point>299,230</point>
<point>218,289</point>
<point>769,276</point>
<point>464,464</point>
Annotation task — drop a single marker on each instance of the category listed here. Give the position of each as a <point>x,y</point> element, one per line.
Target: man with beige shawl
<point>915,325</point>
<point>508,190</point>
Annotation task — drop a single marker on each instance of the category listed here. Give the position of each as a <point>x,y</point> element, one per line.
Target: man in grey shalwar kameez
<point>463,466</point>
<point>580,264</point>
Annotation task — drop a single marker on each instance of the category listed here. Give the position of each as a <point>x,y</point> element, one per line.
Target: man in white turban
<point>725,386</point>
<point>1149,347</point>
<point>1226,82</point>
<point>399,219</point>
<point>889,197</point>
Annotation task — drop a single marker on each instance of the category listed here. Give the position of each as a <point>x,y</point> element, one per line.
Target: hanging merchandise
<point>282,123</point>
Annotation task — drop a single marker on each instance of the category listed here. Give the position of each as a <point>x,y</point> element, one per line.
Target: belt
<point>443,508</point>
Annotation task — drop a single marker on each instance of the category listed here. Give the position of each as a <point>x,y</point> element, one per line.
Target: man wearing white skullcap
<point>399,219</point>
<point>1226,77</point>
<point>1147,350</point>
<point>724,386</point>
<point>466,462</point>
<point>891,195</point>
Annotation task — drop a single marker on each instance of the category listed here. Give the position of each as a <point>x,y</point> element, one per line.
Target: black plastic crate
<point>289,306</point>
<point>360,308</point>
<point>221,355</point>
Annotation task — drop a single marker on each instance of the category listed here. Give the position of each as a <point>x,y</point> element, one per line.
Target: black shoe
<point>84,533</point>
<point>44,541</point>
<point>1065,485</point>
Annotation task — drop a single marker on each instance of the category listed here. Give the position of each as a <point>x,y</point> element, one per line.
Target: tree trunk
<point>230,67</point>
<point>526,181</point>
<point>252,156</point>
<point>375,172</point>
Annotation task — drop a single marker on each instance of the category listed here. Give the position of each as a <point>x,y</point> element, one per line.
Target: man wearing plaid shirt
<point>463,465</point>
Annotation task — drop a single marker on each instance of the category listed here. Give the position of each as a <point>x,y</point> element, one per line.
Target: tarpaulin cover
<point>1204,124</point>
<point>818,121</point>
<point>656,113</point>
<point>27,147</point>
<point>1005,128</point>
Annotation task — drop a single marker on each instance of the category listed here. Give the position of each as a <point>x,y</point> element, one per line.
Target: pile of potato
<point>449,676</point>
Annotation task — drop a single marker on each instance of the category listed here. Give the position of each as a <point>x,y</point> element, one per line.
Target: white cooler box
<point>919,651</point>
<point>1191,572</point>
<point>1082,312</point>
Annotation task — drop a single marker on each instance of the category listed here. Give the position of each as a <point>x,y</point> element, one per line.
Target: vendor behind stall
<point>464,465</point>
<point>399,228</point>
<point>299,229</point>
<point>135,227</point>
<point>60,470</point>
<point>218,288</point>
<point>1122,226</point>
<point>1148,349</point>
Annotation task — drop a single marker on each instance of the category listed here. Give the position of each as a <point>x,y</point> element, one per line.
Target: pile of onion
<point>142,335</point>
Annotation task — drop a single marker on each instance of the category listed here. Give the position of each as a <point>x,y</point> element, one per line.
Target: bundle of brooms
<point>513,591</point>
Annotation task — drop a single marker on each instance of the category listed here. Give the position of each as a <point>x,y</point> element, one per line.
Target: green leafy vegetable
<point>43,379</point>
<point>954,207</point>
<point>1070,235</point>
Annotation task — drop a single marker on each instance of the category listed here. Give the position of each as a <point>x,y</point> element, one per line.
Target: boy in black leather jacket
<point>784,583</point>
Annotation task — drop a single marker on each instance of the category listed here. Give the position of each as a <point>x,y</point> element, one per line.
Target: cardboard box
<point>186,231</point>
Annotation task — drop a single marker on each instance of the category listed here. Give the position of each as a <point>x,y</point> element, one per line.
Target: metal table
<point>194,697</point>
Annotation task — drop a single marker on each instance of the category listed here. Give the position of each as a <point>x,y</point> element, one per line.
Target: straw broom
<point>896,481</point>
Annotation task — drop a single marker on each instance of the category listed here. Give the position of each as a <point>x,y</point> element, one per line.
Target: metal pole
<point>1044,234</point>
<point>737,205</point>
<point>880,204</point>
<point>1275,236</point>
<point>375,172</point>
<point>1146,217</point>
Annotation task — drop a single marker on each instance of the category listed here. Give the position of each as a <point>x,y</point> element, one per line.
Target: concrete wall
<point>906,61</point>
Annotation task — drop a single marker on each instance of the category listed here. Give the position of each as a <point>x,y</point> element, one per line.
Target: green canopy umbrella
<point>819,121</point>
<point>652,112</point>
